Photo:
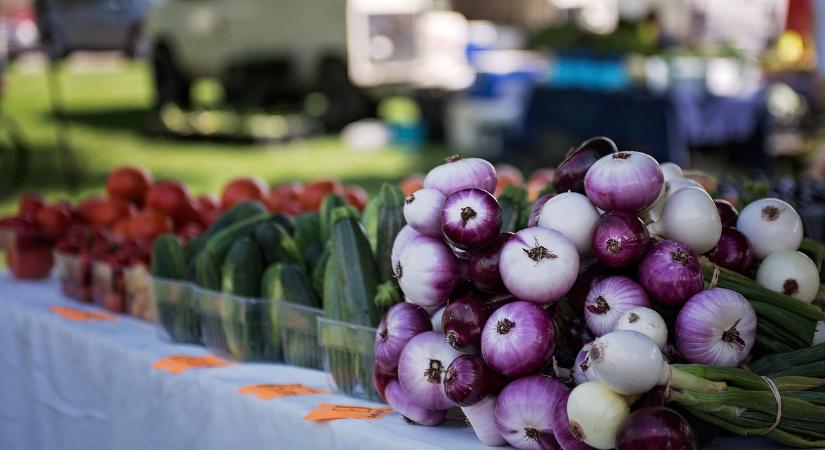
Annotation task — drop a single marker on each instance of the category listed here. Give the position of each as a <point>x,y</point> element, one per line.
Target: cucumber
<point>276,244</point>
<point>284,221</point>
<point>168,257</point>
<point>513,201</point>
<point>333,294</point>
<point>207,273</point>
<point>217,246</point>
<point>319,271</point>
<point>243,319</point>
<point>328,204</point>
<point>390,221</point>
<point>242,269</point>
<point>234,214</point>
<point>356,270</point>
<point>289,283</point>
<point>369,218</point>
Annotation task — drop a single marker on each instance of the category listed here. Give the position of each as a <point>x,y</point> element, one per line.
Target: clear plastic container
<point>28,253</point>
<point>75,275</point>
<point>299,335</point>
<point>108,287</point>
<point>138,301</point>
<point>176,311</point>
<point>240,327</point>
<point>349,357</point>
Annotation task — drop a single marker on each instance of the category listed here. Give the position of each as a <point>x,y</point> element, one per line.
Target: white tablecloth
<point>90,385</point>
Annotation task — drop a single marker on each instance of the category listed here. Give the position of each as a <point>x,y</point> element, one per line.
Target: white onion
<point>645,321</point>
<point>608,299</point>
<point>690,217</point>
<point>629,362</point>
<point>422,211</point>
<point>482,418</point>
<point>791,273</point>
<point>436,318</point>
<point>674,186</point>
<point>538,265</point>
<point>654,211</point>
<point>770,225</point>
<point>457,174</point>
<point>671,171</point>
<point>582,372</point>
<point>595,413</point>
<point>574,216</point>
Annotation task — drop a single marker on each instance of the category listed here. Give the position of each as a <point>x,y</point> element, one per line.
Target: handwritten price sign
<point>182,363</point>
<point>80,315</point>
<point>270,391</point>
<point>331,412</point>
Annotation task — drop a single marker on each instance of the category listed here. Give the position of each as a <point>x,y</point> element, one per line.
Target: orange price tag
<point>330,412</point>
<point>182,363</point>
<point>270,391</point>
<point>80,315</point>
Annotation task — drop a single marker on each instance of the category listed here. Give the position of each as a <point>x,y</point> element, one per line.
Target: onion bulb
<point>619,239</point>
<point>608,299</point>
<point>570,173</point>
<point>674,186</point>
<point>645,321</point>
<point>401,323</point>
<point>727,212</point>
<point>582,373</point>
<point>624,181</point>
<point>470,219</point>
<point>732,252</point>
<point>524,412</point>
<point>404,237</point>
<point>538,265</point>
<point>791,273</point>
<point>422,211</point>
<point>457,174</point>
<point>518,339</point>
<point>482,417</point>
<point>403,403</point>
<point>690,217</point>
<point>572,215</point>
<point>435,318</point>
<point>671,273</point>
<point>427,271</point>
<point>595,413</point>
<point>671,171</point>
<point>654,428</point>
<point>629,362</point>
<point>770,225</point>
<point>421,369</point>
<point>561,427</point>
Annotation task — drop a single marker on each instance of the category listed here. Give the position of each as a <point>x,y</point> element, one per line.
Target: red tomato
<point>121,228</point>
<point>149,223</point>
<point>206,202</point>
<point>29,204</point>
<point>356,196</point>
<point>189,230</point>
<point>129,183</point>
<point>411,184</point>
<point>507,175</point>
<point>172,197</point>
<point>284,197</point>
<point>109,211</point>
<point>87,206</point>
<point>53,219</point>
<point>242,189</point>
<point>207,218</point>
<point>314,192</point>
<point>15,223</point>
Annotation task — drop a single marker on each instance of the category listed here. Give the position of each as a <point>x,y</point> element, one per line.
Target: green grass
<point>108,116</point>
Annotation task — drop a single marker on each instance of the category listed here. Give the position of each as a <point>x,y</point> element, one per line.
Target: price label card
<point>331,412</point>
<point>182,363</point>
<point>270,391</point>
<point>80,315</point>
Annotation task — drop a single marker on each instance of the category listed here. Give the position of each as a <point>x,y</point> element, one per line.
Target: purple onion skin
<point>484,266</point>
<point>608,299</point>
<point>524,412</point>
<point>727,212</point>
<point>590,272</point>
<point>379,382</point>
<point>624,181</point>
<point>401,323</point>
<point>457,174</point>
<point>401,401</point>
<point>561,427</point>
<point>619,239</point>
<point>470,219</point>
<point>518,339</point>
<point>569,175</point>
<point>655,428</point>
<point>733,251</point>
<point>535,211</point>
<point>671,273</point>
<point>469,379</point>
<point>462,323</point>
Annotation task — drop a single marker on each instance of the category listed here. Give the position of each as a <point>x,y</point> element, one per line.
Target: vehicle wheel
<point>170,85</point>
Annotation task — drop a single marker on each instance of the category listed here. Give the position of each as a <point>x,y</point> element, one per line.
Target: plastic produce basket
<point>75,275</point>
<point>29,253</point>
<point>239,327</point>
<point>299,335</point>
<point>176,311</point>
<point>138,301</point>
<point>349,357</point>
<point>108,287</point>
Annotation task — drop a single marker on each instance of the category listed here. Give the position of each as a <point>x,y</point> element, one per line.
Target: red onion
<point>525,409</point>
<point>569,175</point>
<point>608,299</point>
<point>655,428</point>
<point>401,401</point>
<point>624,181</point>
<point>561,427</point>
<point>421,369</point>
<point>462,322</point>
<point>671,273</point>
<point>379,382</point>
<point>401,323</point>
<point>538,265</point>
<point>590,272</point>
<point>727,212</point>
<point>457,174</point>
<point>733,251</point>
<point>404,237</point>
<point>535,211</point>
<point>518,339</point>
<point>470,218</point>
<point>716,327</point>
<point>422,211</point>
<point>427,271</point>
<point>469,379</point>
<point>619,239</point>
<point>484,265</point>
<point>582,372</point>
